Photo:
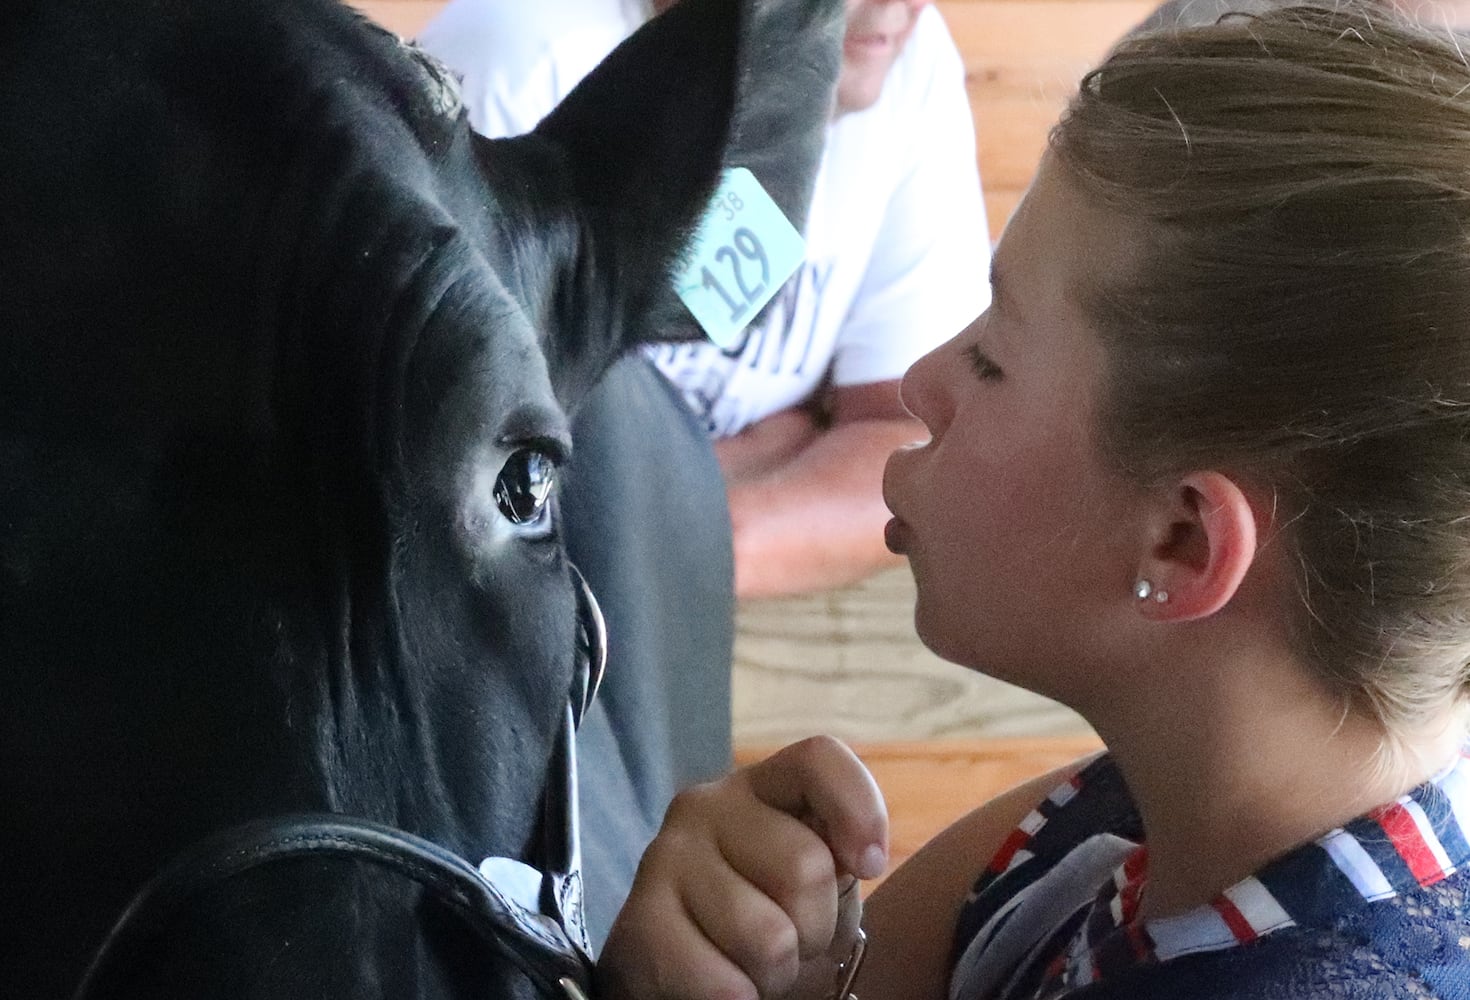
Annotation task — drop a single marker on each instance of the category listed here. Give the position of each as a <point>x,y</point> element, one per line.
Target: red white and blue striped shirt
<point>1386,896</point>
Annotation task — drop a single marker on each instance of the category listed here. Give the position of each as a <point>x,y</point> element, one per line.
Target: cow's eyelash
<point>552,447</point>
<point>980,363</point>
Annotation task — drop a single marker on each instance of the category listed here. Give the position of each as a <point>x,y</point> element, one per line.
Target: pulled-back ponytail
<point>1301,313</point>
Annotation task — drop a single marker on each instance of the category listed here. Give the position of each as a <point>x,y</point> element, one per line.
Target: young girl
<point>1202,472</point>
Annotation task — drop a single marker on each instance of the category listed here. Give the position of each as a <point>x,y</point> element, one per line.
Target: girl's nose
<point>929,387</point>
<point>924,390</point>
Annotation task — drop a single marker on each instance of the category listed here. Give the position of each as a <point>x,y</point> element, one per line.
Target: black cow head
<point>286,357</point>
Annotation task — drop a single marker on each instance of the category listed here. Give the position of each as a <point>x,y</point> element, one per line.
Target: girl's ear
<point>1203,541</point>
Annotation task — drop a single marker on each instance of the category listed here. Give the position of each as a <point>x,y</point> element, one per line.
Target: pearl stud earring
<point>1143,590</point>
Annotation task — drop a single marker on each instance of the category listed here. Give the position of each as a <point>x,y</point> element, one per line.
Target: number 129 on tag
<point>742,253</point>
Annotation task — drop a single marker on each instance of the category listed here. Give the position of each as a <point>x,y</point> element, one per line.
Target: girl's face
<point>1023,544</point>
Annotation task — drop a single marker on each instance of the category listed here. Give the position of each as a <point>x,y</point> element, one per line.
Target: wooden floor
<point>929,784</point>
<point>847,662</point>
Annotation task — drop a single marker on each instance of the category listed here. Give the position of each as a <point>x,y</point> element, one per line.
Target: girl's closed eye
<point>984,368</point>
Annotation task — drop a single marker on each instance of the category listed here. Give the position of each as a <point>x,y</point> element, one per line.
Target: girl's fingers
<point>749,928</point>
<point>742,890</point>
<point>819,977</point>
<point>656,951</point>
<point>786,861</point>
<point>723,826</point>
<point>822,783</point>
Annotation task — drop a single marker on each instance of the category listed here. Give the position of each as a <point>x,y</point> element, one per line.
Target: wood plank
<point>1011,139</point>
<point>1047,34</point>
<point>403,17</point>
<point>930,784</point>
<point>1023,59</point>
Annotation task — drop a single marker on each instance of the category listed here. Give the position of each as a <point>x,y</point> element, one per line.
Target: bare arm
<point>805,502</point>
<point>767,444</point>
<point>910,918</point>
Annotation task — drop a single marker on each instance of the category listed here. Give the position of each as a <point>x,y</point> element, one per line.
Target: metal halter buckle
<point>847,970</point>
<point>571,989</point>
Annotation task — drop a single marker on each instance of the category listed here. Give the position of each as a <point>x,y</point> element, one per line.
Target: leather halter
<point>535,944</point>
<point>544,937</point>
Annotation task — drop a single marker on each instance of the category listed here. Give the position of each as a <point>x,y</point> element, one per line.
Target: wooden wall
<point>847,662</point>
<point>1022,59</point>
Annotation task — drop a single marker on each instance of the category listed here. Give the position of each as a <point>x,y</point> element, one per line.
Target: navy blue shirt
<point>1377,908</point>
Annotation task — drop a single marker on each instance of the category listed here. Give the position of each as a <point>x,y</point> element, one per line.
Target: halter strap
<point>534,943</point>
<point>548,944</point>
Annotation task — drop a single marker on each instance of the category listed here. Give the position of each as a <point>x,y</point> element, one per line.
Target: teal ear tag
<point>740,256</point>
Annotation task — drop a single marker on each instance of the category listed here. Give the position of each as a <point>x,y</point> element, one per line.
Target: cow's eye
<point>523,488</point>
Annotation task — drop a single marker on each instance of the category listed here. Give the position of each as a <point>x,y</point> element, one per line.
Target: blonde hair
<point>1300,315</point>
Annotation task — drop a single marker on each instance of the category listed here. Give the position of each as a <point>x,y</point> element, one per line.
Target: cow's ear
<point>709,84</point>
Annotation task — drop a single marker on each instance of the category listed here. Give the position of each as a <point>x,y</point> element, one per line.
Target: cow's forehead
<point>412,146</point>
<point>476,372</point>
<point>392,183</point>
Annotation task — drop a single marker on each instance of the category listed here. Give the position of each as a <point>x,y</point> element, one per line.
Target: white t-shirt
<point>898,252</point>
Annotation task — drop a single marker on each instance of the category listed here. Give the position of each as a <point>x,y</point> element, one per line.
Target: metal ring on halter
<point>571,989</point>
<point>847,970</point>
<point>591,644</point>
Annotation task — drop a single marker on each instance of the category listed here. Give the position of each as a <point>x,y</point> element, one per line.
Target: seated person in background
<point>1202,474</point>
<point>805,411</point>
